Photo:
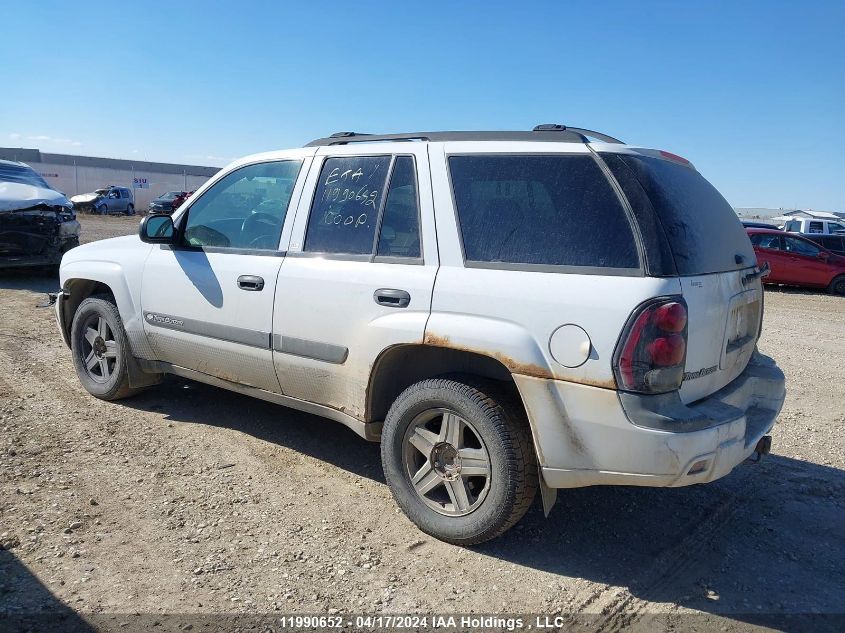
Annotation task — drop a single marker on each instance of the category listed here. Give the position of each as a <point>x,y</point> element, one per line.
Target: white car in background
<point>503,311</point>
<point>815,226</point>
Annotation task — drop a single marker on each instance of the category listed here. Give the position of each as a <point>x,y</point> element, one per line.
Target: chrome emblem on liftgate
<point>706,371</point>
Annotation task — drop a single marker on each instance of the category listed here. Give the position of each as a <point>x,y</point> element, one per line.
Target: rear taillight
<point>652,352</point>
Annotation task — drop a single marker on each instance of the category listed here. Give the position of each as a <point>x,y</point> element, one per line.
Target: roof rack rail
<point>557,127</point>
<point>552,132</point>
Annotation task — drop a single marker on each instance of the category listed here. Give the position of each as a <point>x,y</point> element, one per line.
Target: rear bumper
<point>606,437</point>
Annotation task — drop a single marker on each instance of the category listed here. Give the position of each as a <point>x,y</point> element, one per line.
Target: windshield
<point>170,195</point>
<point>23,174</point>
<point>101,192</point>
<point>703,230</point>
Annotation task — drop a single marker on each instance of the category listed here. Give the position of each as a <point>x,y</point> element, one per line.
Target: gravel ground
<point>192,500</point>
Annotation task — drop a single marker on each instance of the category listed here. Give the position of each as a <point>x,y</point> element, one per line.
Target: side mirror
<point>823,255</point>
<point>157,229</point>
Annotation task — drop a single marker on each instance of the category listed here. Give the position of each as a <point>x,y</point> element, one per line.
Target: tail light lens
<point>651,355</point>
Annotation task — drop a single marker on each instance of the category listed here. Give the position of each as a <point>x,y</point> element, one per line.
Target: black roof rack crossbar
<point>549,132</point>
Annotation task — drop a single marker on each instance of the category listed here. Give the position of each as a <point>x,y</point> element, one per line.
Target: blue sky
<point>752,92</point>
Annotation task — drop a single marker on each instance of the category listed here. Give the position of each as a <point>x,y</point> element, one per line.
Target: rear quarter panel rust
<point>534,370</point>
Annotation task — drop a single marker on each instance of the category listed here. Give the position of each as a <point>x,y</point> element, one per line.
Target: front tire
<point>130,210</point>
<point>459,459</point>
<point>837,286</point>
<point>100,349</point>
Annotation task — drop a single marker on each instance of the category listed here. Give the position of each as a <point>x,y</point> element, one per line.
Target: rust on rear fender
<point>516,367</point>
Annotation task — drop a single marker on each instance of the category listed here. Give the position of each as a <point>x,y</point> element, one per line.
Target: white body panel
<point>723,314</point>
<point>330,302</point>
<point>201,290</point>
<point>119,264</point>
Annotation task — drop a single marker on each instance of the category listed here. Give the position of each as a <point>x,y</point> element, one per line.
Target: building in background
<point>779,216</point>
<point>73,175</point>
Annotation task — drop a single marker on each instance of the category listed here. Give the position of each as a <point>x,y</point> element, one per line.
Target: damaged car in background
<point>105,201</point>
<point>37,223</point>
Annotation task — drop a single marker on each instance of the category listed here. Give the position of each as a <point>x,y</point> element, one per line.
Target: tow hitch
<point>764,447</point>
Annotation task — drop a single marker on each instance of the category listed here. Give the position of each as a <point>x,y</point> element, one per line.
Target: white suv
<point>504,311</point>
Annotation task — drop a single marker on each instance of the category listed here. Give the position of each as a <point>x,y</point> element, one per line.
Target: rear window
<point>21,174</point>
<point>557,210</point>
<point>703,230</point>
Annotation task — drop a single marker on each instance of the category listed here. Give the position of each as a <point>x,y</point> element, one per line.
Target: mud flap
<point>549,495</point>
<point>139,377</point>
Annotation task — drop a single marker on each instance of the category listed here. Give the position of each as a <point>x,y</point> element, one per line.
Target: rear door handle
<point>251,282</point>
<point>392,297</point>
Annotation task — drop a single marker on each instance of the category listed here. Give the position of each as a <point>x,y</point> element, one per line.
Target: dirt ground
<point>192,500</point>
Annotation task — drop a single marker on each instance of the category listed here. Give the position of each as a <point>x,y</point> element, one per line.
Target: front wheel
<point>130,210</point>
<point>100,349</point>
<point>459,459</point>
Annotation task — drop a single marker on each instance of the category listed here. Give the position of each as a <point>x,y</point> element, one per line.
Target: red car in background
<point>797,261</point>
<point>184,195</point>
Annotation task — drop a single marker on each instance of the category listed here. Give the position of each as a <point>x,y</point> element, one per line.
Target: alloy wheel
<point>98,348</point>
<point>446,462</point>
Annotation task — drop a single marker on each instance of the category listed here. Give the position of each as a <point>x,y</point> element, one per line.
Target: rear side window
<point>801,247</point>
<point>703,230</point>
<point>549,210</point>
<point>816,227</point>
<point>793,226</point>
<point>400,225</point>
<point>345,210</point>
<point>836,244</point>
<point>766,240</point>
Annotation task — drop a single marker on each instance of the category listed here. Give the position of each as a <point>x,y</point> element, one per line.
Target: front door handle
<point>251,282</point>
<point>392,298</point>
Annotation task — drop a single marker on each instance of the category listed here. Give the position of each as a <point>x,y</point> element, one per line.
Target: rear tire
<point>837,286</point>
<point>439,439</point>
<point>100,349</point>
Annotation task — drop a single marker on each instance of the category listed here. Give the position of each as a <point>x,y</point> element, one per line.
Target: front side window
<point>835,227</point>
<point>344,213</point>
<point>801,247</point>
<point>548,210</point>
<point>244,209</point>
